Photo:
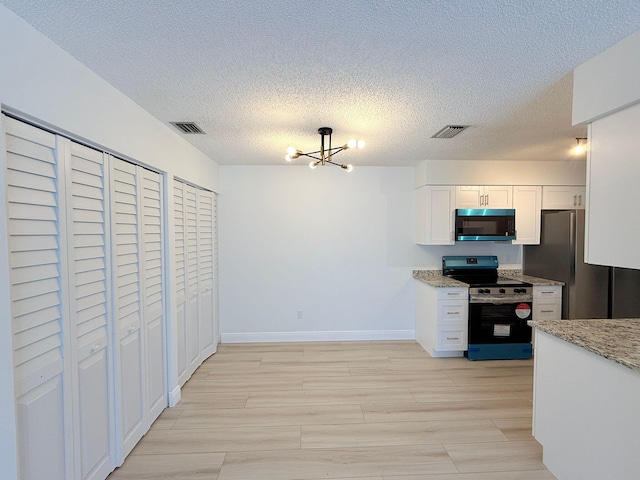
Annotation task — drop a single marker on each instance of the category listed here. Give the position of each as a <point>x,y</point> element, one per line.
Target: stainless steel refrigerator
<point>591,291</point>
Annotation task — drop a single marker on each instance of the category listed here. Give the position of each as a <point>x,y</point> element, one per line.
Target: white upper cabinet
<point>527,203</point>
<point>493,196</point>
<point>434,215</point>
<point>563,197</point>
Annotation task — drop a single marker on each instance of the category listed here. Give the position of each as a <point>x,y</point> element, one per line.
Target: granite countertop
<point>617,340</point>
<point>434,278</point>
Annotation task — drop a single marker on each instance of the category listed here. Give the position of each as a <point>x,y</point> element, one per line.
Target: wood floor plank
<point>432,411</point>
<point>496,457</point>
<point>355,462</point>
<point>472,392</point>
<point>269,416</point>
<point>512,475</point>
<point>378,381</point>
<point>403,433</point>
<point>188,466</point>
<point>162,442</point>
<point>515,428</point>
<point>194,399</point>
<point>352,396</point>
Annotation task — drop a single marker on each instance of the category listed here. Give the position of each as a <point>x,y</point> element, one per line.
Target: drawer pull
<point>453,338</point>
<point>546,311</point>
<point>453,313</point>
<point>95,348</point>
<point>453,293</point>
<point>131,328</point>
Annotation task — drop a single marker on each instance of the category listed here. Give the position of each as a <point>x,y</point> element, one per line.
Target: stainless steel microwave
<point>494,224</point>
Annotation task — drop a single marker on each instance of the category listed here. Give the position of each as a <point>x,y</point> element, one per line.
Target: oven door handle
<point>501,299</point>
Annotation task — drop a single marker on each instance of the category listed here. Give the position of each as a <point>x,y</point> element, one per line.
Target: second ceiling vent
<point>188,127</point>
<point>449,131</point>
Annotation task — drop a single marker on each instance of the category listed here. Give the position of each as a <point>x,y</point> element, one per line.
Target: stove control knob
<point>485,290</point>
<point>519,290</point>
<point>502,290</point>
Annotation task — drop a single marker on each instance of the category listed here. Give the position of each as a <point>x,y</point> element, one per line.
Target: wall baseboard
<point>337,336</point>
<point>174,396</point>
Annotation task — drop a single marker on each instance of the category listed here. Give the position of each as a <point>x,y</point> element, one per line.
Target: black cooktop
<point>481,281</point>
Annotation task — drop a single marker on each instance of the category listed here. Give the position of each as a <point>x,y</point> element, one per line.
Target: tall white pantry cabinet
<point>88,287</point>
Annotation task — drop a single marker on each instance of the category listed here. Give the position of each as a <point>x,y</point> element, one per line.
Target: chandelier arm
<point>310,156</point>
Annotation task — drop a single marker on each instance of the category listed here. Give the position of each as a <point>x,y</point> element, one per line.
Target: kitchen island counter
<point>617,340</point>
<point>586,395</point>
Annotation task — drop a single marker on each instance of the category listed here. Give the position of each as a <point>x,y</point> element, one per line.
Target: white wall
<point>340,247</point>
<point>42,83</point>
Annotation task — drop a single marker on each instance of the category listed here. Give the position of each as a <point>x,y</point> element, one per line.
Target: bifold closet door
<point>130,378</point>
<point>89,301</point>
<point>153,292</point>
<point>206,291</point>
<point>179,189</point>
<point>37,263</point>
<point>192,257</point>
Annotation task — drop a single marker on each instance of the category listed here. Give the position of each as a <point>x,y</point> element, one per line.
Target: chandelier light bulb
<point>579,150</point>
<point>291,151</point>
<point>313,165</point>
<point>352,143</point>
<point>360,143</point>
<point>287,157</point>
<point>349,168</point>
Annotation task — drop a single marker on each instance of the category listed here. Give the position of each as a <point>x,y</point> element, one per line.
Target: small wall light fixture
<point>326,154</point>
<point>581,146</point>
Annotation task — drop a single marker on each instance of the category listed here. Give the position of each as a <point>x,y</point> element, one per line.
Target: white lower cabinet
<point>441,320</point>
<point>547,302</point>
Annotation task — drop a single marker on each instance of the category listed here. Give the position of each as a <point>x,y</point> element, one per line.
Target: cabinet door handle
<point>580,200</point>
<point>486,199</point>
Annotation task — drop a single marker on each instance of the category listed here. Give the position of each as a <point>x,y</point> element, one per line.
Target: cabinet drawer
<point>540,293</point>
<point>547,311</point>
<point>452,293</point>
<point>451,338</point>
<point>452,313</point>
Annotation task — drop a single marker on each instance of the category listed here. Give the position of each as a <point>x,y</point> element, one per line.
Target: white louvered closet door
<point>37,261</point>
<point>89,306</point>
<point>191,244</point>
<point>153,291</point>
<point>130,378</point>
<point>216,311</point>
<point>206,317</point>
<point>179,190</point>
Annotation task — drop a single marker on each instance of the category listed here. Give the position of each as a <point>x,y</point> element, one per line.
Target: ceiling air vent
<point>187,127</point>
<point>449,131</point>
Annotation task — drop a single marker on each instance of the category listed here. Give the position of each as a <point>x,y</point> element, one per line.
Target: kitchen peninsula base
<point>586,414</point>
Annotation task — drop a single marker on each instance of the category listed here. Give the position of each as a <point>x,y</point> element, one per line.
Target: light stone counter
<point>435,278</point>
<point>617,340</point>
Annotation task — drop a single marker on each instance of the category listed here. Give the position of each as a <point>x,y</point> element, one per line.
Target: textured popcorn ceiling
<point>259,75</point>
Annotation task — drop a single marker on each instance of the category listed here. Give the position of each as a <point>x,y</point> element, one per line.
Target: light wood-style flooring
<point>344,410</point>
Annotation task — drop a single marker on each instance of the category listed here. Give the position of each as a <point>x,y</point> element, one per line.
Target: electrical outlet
<point>299,314</point>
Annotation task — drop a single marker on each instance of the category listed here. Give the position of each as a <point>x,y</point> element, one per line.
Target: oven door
<point>499,322</point>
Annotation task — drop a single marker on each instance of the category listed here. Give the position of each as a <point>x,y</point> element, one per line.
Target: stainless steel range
<point>499,308</point>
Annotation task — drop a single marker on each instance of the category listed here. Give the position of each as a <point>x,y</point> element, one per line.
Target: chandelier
<point>326,154</point>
